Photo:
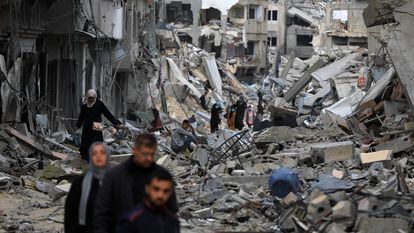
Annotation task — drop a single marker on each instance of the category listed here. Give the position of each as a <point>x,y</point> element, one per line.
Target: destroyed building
<point>234,30</point>
<point>344,25</point>
<point>69,47</point>
<point>331,151</point>
<point>276,25</point>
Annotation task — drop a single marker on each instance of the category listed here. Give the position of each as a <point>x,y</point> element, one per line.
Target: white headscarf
<point>90,93</point>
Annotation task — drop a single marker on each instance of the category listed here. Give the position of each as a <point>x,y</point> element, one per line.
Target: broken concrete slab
<point>346,106</point>
<point>375,156</point>
<point>344,210</point>
<point>305,79</point>
<point>328,183</point>
<point>337,67</point>
<point>337,151</point>
<point>276,134</point>
<point>400,39</point>
<point>396,145</point>
<point>379,12</point>
<point>338,174</point>
<point>368,204</point>
<point>204,213</point>
<point>290,199</point>
<point>247,180</point>
<point>318,208</point>
<point>368,224</point>
<point>210,66</point>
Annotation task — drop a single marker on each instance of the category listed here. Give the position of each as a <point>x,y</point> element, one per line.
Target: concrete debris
<point>376,156</point>
<point>326,144</point>
<point>338,151</point>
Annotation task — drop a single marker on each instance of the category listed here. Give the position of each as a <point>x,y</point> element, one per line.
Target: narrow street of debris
<point>267,115</point>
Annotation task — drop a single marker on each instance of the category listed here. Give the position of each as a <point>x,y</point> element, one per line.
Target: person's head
<point>98,159</point>
<point>98,156</point>
<point>205,92</point>
<point>186,124</point>
<point>155,113</point>
<point>159,187</point>
<point>144,149</point>
<point>91,96</point>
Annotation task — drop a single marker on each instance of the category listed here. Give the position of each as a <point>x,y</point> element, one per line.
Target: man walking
<point>124,185</point>
<point>152,214</point>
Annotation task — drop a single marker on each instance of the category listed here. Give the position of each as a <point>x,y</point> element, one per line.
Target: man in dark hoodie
<point>124,186</point>
<point>152,215</point>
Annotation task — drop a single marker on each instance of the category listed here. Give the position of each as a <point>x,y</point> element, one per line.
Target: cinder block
<point>336,151</point>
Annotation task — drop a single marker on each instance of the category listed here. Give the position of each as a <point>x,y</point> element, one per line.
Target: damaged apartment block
<point>301,110</point>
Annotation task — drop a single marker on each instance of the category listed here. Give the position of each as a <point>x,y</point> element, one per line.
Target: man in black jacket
<point>152,215</point>
<point>124,186</point>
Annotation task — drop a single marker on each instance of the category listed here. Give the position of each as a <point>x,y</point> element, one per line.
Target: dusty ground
<point>30,211</point>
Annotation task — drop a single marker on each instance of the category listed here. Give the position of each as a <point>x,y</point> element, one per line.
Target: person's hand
<point>120,126</point>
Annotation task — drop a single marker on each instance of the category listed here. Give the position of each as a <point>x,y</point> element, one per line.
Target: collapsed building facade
<point>231,29</point>
<point>331,152</point>
<point>53,51</point>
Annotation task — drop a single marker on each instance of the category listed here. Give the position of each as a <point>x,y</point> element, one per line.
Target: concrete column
<point>223,37</point>
<point>195,30</point>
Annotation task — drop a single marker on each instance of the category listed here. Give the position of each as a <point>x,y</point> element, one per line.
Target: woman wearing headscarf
<point>80,201</point>
<point>90,118</point>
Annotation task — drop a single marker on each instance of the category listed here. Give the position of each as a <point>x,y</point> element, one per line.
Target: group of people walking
<point>134,196</point>
<point>237,113</point>
<point>137,195</point>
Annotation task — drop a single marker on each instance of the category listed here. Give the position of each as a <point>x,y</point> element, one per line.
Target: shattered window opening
<point>250,50</point>
<point>304,40</point>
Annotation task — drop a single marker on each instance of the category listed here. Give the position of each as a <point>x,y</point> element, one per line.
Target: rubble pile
<point>333,152</point>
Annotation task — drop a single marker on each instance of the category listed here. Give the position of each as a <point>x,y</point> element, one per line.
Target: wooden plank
<point>306,78</point>
<point>35,144</point>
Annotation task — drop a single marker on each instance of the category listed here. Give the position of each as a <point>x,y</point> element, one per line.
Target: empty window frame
<point>252,13</point>
<point>272,15</point>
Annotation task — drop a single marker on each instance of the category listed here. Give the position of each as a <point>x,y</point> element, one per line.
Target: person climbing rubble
<point>79,207</point>
<point>183,138</point>
<point>90,119</point>
<point>153,209</point>
<point>215,119</point>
